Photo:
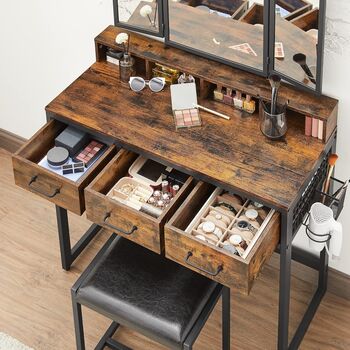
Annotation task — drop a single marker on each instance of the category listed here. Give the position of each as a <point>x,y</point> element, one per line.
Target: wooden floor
<point>35,302</point>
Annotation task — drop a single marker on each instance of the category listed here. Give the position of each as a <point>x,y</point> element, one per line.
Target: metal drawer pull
<point>107,216</point>
<point>210,273</point>
<point>48,195</point>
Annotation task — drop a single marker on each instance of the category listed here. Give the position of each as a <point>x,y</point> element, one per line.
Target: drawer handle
<point>210,273</point>
<point>48,195</point>
<point>105,220</point>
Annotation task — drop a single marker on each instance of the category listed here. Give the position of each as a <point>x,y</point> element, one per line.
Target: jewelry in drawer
<point>230,222</point>
<point>135,196</point>
<point>222,236</point>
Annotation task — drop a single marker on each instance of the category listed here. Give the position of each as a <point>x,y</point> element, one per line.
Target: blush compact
<point>57,156</point>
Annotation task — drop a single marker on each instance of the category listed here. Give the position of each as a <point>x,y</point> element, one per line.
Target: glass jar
<point>126,68</point>
<point>273,126</point>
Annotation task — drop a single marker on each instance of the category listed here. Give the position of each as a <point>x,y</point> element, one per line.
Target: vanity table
<point>233,155</point>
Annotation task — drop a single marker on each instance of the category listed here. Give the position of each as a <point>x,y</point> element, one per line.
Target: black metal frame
<point>107,340</point>
<point>160,32</point>
<point>320,49</point>
<point>68,254</point>
<point>287,254</point>
<point>265,64</point>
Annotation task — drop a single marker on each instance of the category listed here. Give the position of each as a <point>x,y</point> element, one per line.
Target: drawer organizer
<point>56,188</point>
<point>124,220</point>
<point>207,256</point>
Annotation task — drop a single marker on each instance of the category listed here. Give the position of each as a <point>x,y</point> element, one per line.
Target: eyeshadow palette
<point>90,152</point>
<point>183,101</point>
<point>187,118</point>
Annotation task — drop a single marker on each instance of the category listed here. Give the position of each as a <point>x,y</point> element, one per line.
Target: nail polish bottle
<point>249,104</point>
<point>218,94</point>
<point>238,101</point>
<point>228,99</point>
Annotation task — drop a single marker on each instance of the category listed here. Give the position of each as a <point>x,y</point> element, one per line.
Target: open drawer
<point>126,221</point>
<point>56,188</point>
<point>211,260</point>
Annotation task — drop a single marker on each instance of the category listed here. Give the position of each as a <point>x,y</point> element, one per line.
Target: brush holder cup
<point>273,126</point>
<point>126,68</point>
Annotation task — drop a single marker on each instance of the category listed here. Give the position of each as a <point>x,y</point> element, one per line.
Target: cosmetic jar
<point>273,126</point>
<point>57,156</point>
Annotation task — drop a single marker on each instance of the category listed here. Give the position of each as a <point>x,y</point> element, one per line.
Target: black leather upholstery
<point>144,291</point>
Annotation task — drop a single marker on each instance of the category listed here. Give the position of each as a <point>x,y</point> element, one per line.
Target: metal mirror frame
<point>265,63</point>
<point>320,49</point>
<point>160,32</point>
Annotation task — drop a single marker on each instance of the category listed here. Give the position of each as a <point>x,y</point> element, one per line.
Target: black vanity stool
<point>141,290</point>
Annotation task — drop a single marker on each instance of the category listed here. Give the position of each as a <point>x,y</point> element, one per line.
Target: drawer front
<point>213,262</point>
<point>49,185</point>
<point>121,219</point>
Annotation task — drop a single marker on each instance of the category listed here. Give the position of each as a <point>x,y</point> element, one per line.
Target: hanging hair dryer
<point>322,228</point>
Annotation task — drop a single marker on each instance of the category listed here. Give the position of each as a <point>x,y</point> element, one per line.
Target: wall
<point>45,45</point>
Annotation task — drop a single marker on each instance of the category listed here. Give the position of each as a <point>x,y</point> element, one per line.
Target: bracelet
<point>226,205</point>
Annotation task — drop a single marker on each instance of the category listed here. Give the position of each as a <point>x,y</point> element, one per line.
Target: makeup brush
<point>275,81</point>
<point>212,112</point>
<point>300,58</point>
<point>331,164</point>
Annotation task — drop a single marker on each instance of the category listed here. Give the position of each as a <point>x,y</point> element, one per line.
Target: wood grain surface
<point>303,102</point>
<point>25,167</point>
<point>35,305</point>
<point>150,230</point>
<point>233,154</point>
<point>237,273</point>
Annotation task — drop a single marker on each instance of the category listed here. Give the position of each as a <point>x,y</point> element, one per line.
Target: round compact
<point>208,227</point>
<point>57,157</point>
<point>235,239</point>
<point>251,214</point>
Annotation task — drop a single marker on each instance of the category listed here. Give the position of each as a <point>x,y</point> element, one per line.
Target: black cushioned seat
<point>144,291</point>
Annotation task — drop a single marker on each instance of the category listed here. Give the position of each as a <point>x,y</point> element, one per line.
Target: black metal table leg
<point>64,237</point>
<point>284,282</point>
<point>68,254</point>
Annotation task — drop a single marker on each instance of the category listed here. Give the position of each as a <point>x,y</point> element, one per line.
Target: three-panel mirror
<point>298,34</point>
<point>261,36</point>
<point>230,31</point>
<point>145,16</point>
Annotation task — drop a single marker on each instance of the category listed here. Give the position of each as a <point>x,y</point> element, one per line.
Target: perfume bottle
<point>218,94</point>
<point>228,99</point>
<point>238,100</point>
<point>126,68</point>
<point>249,104</point>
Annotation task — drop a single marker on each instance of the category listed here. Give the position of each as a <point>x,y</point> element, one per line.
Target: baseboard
<point>338,282</point>
<point>10,142</point>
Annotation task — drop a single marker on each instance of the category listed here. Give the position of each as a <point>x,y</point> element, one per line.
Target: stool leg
<point>78,324</point>
<point>226,318</point>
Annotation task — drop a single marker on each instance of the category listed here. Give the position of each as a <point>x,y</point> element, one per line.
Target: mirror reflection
<point>141,14</point>
<point>232,30</point>
<point>296,38</point>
